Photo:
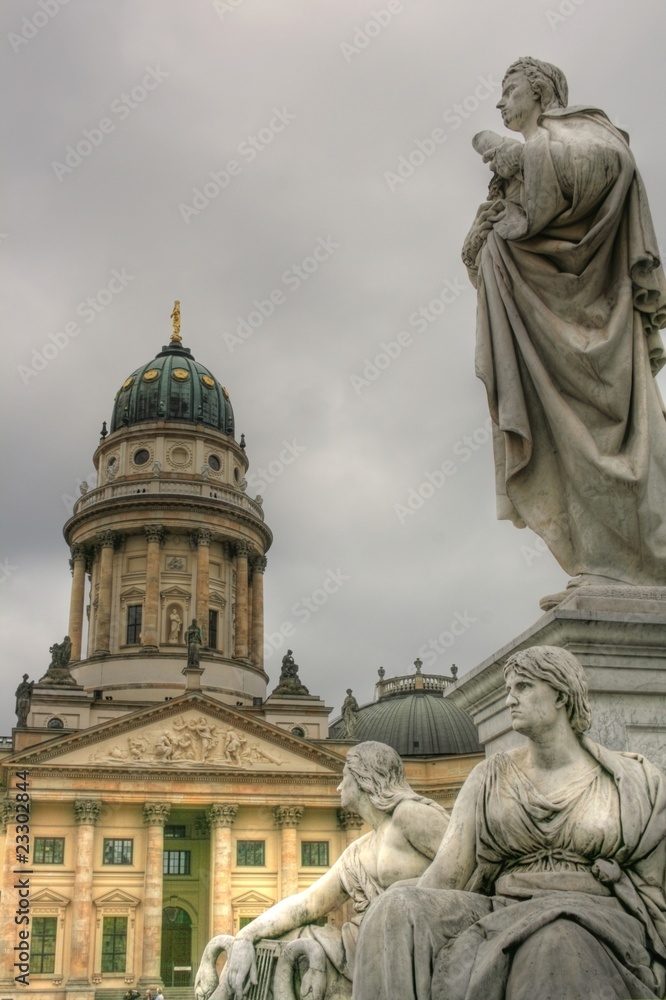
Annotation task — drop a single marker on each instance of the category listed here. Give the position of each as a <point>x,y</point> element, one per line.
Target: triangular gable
<point>191,733</point>
<point>117,897</point>
<point>252,898</point>
<point>48,897</point>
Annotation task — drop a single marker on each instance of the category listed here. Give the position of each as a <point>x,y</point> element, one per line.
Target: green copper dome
<point>415,724</point>
<point>173,386</point>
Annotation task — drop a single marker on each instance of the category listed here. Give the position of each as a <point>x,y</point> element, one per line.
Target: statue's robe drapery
<point>536,856</point>
<point>571,297</point>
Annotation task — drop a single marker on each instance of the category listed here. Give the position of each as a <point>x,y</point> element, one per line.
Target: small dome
<point>414,721</point>
<point>173,386</point>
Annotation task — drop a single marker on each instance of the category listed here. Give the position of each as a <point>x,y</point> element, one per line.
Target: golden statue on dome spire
<point>175,316</point>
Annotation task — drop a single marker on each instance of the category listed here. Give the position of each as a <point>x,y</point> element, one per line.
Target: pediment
<point>253,898</point>
<point>132,592</point>
<point>116,897</point>
<point>48,897</point>
<point>192,733</point>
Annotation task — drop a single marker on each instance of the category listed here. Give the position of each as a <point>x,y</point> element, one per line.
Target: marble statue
<point>194,640</point>
<point>23,698</point>
<point>175,626</point>
<point>350,712</point>
<point>551,871</point>
<point>406,831</point>
<point>571,298</point>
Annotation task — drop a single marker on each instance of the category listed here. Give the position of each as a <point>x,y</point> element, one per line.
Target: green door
<point>176,947</point>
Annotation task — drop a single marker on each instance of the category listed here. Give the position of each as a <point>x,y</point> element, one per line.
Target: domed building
<point>410,713</point>
<point>170,796</point>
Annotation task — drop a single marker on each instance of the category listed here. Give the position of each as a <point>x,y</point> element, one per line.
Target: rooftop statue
<point>406,832</point>
<point>551,871</point>
<point>571,298</point>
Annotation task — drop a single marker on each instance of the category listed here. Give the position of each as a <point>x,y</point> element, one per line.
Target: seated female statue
<point>406,832</point>
<point>550,879</point>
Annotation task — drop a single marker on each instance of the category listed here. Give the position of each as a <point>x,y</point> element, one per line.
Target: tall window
<point>250,853</point>
<point>118,852</point>
<point>212,629</point>
<point>114,944</point>
<point>176,863</point>
<point>314,853</point>
<point>134,624</point>
<point>49,851</point>
<point>42,944</point>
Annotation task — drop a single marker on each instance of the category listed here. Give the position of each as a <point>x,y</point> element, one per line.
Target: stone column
<point>106,542</point>
<point>203,539</point>
<point>221,820</point>
<point>352,824</point>
<point>155,815</point>
<point>287,819</point>
<point>78,563</point>
<point>155,537</point>
<point>86,814</point>
<point>242,554</point>
<point>257,639</point>
<point>8,929</point>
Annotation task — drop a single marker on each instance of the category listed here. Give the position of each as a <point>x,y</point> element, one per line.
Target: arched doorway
<point>176,968</point>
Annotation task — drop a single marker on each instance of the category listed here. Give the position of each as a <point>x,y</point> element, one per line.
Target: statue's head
<point>547,81</point>
<point>563,672</point>
<point>379,772</point>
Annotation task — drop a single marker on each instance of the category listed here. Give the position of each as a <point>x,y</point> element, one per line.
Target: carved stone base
<point>619,635</point>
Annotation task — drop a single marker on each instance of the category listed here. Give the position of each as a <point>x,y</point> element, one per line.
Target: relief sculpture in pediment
<point>188,743</point>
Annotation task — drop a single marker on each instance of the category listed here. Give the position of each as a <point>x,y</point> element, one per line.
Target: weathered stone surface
<point>571,297</point>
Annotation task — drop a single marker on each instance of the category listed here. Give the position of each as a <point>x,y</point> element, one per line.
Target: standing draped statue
<point>571,298</point>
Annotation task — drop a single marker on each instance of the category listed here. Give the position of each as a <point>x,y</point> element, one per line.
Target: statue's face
<point>519,105</point>
<point>350,793</point>
<point>533,704</point>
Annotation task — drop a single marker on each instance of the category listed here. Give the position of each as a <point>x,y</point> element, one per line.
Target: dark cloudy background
<point>224,69</point>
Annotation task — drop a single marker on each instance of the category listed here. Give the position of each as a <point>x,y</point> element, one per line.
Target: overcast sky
<point>306,113</point>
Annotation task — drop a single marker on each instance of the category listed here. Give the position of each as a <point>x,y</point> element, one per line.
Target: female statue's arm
<point>303,908</point>
<point>456,858</point>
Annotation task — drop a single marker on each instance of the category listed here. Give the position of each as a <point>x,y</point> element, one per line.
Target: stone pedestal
<point>619,636</point>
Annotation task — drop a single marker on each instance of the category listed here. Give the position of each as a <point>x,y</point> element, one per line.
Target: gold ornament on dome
<point>224,392</point>
<point>151,375</point>
<point>175,316</point>
<point>208,381</point>
<point>128,382</point>
<point>181,374</point>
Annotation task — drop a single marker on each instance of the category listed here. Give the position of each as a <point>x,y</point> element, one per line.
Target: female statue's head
<point>547,81</point>
<point>562,671</point>
<point>379,773</point>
